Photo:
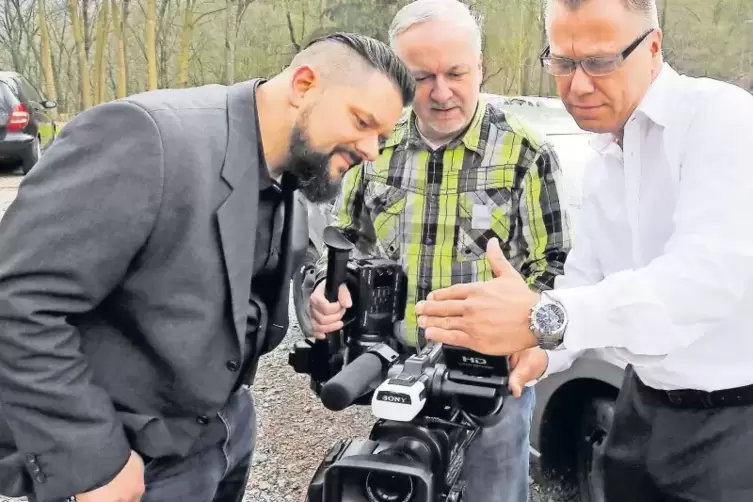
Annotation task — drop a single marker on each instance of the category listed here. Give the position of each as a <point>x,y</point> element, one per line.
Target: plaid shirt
<point>435,211</point>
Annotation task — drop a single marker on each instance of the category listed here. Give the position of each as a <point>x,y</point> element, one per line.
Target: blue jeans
<point>497,462</point>
<point>218,473</point>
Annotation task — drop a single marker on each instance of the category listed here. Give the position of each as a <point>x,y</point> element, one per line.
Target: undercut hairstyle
<point>647,8</point>
<point>450,11</point>
<point>347,55</point>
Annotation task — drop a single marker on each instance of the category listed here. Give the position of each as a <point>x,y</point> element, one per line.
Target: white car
<point>574,408</point>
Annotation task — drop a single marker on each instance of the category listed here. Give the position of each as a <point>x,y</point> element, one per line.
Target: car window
<point>7,100</point>
<point>13,86</point>
<point>28,90</point>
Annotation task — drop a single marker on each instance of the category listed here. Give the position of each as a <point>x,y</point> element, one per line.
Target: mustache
<point>354,158</point>
<point>444,106</point>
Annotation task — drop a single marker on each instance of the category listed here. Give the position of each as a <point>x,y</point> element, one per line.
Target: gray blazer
<point>125,273</point>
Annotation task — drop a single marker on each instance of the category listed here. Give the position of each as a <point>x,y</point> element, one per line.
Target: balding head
<point>644,8</point>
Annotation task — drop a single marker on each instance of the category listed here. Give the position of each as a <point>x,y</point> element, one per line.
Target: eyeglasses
<point>596,66</point>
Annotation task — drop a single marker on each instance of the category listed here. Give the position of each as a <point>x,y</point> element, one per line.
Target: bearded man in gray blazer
<point>144,269</point>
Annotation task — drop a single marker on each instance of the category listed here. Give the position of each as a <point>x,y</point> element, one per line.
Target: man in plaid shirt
<point>455,172</point>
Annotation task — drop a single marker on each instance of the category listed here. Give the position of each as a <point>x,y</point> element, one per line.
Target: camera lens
<point>387,487</point>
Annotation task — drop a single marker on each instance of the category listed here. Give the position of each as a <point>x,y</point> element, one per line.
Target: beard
<point>311,168</point>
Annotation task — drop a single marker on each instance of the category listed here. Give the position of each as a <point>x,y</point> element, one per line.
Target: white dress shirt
<point>661,272</point>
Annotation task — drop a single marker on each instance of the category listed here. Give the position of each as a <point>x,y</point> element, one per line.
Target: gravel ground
<point>295,430</point>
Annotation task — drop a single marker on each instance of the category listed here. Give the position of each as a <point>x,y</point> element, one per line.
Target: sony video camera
<point>429,405</point>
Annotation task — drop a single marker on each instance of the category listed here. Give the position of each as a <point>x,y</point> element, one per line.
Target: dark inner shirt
<point>269,227</point>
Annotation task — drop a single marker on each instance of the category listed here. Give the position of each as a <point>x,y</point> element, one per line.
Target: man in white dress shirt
<point>661,272</point>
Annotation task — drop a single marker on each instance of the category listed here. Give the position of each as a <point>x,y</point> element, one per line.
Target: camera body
<point>429,405</point>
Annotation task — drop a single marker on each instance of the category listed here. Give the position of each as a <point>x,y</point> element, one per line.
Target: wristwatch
<point>548,322</point>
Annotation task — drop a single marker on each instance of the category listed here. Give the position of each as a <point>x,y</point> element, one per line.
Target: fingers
<point>527,366</point>
<point>320,304</point>
<point>323,324</point>
<point>456,292</point>
<point>445,323</point>
<point>515,385</point>
<point>450,337</point>
<point>326,317</point>
<point>445,308</point>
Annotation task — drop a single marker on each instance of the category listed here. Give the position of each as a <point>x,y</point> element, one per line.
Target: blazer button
<point>202,420</point>
<point>40,477</point>
<point>233,365</point>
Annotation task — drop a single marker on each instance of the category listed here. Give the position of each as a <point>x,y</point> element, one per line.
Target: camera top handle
<point>338,252</point>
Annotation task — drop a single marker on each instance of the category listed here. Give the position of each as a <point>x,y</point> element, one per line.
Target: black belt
<point>691,398</point>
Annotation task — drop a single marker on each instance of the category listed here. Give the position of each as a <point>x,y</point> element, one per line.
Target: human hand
<point>127,486</point>
<point>527,366</point>
<point>326,316</point>
<point>491,317</point>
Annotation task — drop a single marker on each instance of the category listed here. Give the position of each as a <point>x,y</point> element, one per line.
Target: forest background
<point>84,52</point>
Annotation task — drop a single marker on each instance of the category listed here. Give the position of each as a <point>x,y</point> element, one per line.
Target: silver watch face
<point>549,319</point>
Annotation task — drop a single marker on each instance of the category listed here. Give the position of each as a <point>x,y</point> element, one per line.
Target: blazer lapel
<point>236,217</point>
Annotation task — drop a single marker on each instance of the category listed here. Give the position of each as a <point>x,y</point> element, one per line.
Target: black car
<point>25,125</point>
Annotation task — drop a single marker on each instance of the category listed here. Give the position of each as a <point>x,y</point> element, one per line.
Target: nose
<point>368,147</point>
<point>440,92</point>
<point>581,83</point>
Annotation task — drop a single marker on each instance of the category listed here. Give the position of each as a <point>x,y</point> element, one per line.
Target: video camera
<point>430,405</point>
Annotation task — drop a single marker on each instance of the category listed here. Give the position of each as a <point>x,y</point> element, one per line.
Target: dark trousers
<point>660,452</point>
<point>218,473</point>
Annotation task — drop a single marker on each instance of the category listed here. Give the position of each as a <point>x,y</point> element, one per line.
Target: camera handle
<point>358,377</point>
<point>338,252</point>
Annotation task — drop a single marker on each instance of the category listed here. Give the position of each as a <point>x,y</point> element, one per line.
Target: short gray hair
<point>426,10</point>
<point>646,7</point>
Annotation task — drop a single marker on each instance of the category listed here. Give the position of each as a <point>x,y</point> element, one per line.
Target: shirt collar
<point>653,106</point>
<point>406,131</point>
<point>654,103</point>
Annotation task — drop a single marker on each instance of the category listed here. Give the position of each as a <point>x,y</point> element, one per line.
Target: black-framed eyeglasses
<point>596,66</point>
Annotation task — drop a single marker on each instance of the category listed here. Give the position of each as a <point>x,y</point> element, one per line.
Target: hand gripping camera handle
<point>338,252</point>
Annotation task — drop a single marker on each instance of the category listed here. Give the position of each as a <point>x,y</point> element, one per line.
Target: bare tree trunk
<point>78,36</point>
<point>151,43</point>
<point>100,43</point>
<point>86,27</point>
<point>49,75</point>
<point>164,22</point>
<point>230,38</point>
<point>126,11</point>
<point>186,34</point>
<point>121,82</point>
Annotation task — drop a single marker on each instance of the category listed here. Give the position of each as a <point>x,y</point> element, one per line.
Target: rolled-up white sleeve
<point>707,265</point>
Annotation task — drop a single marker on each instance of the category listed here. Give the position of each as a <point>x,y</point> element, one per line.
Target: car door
<point>40,115</point>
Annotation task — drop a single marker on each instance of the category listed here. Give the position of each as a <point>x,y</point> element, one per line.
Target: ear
<point>656,40</point>
<point>304,79</point>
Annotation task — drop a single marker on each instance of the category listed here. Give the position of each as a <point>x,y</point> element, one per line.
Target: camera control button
<point>233,365</point>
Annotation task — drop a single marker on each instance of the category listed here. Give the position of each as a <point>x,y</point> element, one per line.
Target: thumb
<point>496,258</point>
<point>343,296</point>
<point>515,384</point>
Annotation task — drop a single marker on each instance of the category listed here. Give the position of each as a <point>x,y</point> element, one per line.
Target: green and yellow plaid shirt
<point>435,211</point>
